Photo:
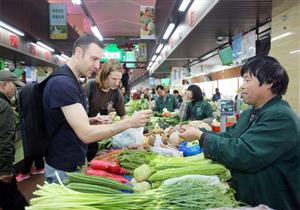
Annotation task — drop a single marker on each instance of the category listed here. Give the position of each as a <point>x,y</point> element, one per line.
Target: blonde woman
<point>104,96</point>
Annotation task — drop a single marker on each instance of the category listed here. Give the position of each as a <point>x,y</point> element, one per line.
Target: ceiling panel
<point>228,17</point>
<point>117,17</point>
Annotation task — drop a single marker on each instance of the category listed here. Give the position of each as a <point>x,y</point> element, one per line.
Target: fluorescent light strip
<point>169,31</point>
<point>134,39</point>
<point>184,5</point>
<point>76,2</point>
<point>109,39</point>
<point>12,29</point>
<point>97,33</point>
<point>41,44</point>
<point>65,56</point>
<point>295,51</point>
<point>159,48</point>
<point>62,58</point>
<point>153,58</point>
<point>281,36</point>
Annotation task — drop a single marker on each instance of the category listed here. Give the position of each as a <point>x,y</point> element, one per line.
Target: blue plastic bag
<point>189,150</point>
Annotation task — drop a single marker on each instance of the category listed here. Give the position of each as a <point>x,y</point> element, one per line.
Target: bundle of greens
<point>131,159</point>
<point>171,167</point>
<point>188,194</point>
<point>136,105</point>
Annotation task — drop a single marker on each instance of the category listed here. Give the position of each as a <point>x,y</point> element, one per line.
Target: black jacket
<point>7,135</point>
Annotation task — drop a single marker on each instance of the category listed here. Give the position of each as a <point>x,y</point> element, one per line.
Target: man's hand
<point>189,133</point>
<point>139,119</point>
<point>7,178</point>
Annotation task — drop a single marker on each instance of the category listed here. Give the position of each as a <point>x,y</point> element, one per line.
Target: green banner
<point>111,51</point>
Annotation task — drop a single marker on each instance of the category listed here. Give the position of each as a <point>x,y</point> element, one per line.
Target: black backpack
<point>34,133</point>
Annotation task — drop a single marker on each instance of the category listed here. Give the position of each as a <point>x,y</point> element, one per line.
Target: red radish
<point>119,178</point>
<point>122,171</point>
<point>98,172</point>
<point>93,172</point>
<point>112,167</point>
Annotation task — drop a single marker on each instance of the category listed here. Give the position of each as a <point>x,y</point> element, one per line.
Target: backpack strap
<point>92,89</point>
<point>116,95</point>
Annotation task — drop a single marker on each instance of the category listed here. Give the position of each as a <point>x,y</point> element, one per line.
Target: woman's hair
<point>197,93</point>
<point>267,70</point>
<point>109,66</point>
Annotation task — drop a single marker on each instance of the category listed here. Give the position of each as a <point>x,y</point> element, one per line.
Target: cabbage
<point>141,187</point>
<point>142,173</point>
<point>133,182</point>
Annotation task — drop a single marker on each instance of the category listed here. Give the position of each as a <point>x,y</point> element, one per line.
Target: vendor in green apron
<point>262,150</point>
<point>197,108</point>
<point>164,100</point>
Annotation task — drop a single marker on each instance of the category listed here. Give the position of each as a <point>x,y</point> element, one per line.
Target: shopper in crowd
<point>65,106</point>
<point>104,96</point>
<point>262,150</point>
<point>178,97</point>
<point>147,94</point>
<point>165,100</point>
<point>125,80</point>
<point>198,108</point>
<point>153,95</point>
<point>10,196</point>
<point>27,169</point>
<point>216,96</point>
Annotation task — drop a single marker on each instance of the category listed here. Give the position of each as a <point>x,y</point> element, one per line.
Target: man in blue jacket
<point>262,150</point>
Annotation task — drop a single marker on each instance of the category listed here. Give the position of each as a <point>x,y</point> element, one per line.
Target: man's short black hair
<point>197,92</point>
<point>175,92</point>
<point>268,71</point>
<point>84,41</point>
<point>159,87</point>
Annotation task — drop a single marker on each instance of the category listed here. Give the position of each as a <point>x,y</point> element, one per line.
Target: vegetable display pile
<point>171,167</point>
<point>106,169</point>
<point>131,159</point>
<point>96,181</point>
<point>190,194</point>
<point>136,105</point>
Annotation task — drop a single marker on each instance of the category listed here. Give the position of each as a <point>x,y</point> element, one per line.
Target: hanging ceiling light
<point>169,31</point>
<point>96,32</point>
<point>65,56</point>
<point>10,28</point>
<point>153,58</point>
<point>159,48</point>
<point>76,2</point>
<point>183,5</point>
<point>41,44</point>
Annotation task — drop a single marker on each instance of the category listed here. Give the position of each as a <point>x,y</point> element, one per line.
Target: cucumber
<point>97,180</point>
<point>89,188</point>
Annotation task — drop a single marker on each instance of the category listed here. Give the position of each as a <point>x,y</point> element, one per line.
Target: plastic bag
<point>129,137</point>
<point>164,150</point>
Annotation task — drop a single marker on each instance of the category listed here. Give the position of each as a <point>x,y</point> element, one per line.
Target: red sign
<point>47,55</point>
<point>13,41</point>
<point>32,49</point>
